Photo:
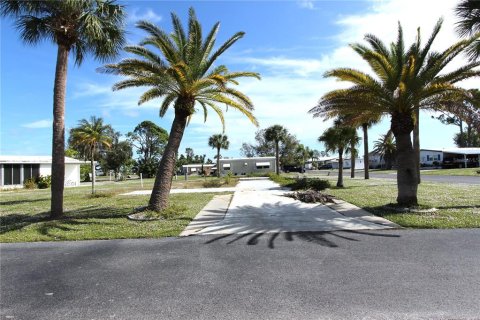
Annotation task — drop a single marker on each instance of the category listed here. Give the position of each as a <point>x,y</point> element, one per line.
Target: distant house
<point>461,157</point>
<point>244,166</point>
<point>431,158</point>
<point>14,170</point>
<point>347,163</point>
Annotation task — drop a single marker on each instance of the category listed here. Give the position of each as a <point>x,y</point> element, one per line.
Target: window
<point>11,174</point>
<point>31,171</point>
<point>226,166</point>
<point>262,165</point>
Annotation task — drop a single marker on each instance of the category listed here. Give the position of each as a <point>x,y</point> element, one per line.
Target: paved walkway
<point>259,206</point>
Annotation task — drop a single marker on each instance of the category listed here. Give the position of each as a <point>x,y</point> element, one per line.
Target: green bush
<point>30,184</point>
<point>213,183</point>
<point>228,177</point>
<point>301,184</point>
<point>44,182</point>
<point>85,170</point>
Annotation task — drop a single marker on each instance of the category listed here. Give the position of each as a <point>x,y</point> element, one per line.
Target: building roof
<point>252,158</point>
<point>462,150</point>
<point>34,159</point>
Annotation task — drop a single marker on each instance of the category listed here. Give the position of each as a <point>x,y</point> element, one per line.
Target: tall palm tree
<point>353,151</point>
<point>91,136</point>
<point>404,80</point>
<point>218,141</point>
<point>76,26</point>
<point>337,139</point>
<point>386,148</point>
<point>184,75</point>
<point>468,24</point>
<point>276,133</point>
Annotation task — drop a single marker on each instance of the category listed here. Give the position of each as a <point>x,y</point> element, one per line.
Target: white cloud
<point>148,15</point>
<point>307,4</point>
<point>40,124</point>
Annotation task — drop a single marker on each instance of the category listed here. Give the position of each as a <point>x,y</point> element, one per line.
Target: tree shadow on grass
<point>15,202</point>
<point>322,238</point>
<point>14,222</point>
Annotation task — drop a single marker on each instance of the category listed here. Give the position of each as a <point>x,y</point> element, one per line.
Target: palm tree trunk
<point>460,140</point>
<point>163,179</point>
<point>416,142</point>
<point>407,184</point>
<point>218,162</point>
<point>352,167</point>
<point>277,162</point>
<point>366,160</point>
<point>340,168</point>
<point>58,140</point>
<point>92,165</point>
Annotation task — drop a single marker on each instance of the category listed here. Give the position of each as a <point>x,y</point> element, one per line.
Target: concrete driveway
<point>259,206</point>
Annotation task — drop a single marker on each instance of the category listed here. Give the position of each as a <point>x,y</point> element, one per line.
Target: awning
<point>226,165</point>
<point>262,164</point>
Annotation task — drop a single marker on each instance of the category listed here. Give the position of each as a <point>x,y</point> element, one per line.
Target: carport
<point>461,158</point>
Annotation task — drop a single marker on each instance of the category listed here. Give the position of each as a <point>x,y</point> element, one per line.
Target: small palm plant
<point>386,148</point>
<point>218,141</point>
<point>75,26</point>
<point>276,133</point>
<point>91,136</point>
<point>184,75</point>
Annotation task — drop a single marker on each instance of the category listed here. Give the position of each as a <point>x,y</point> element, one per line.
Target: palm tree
<point>405,80</point>
<point>337,139</point>
<point>276,133</point>
<point>468,13</point>
<point>218,141</point>
<point>76,26</point>
<point>183,75</point>
<point>352,149</point>
<point>91,136</point>
<point>386,148</point>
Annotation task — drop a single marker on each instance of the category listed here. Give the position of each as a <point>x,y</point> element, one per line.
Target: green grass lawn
<point>24,214</point>
<point>453,172</point>
<point>458,205</point>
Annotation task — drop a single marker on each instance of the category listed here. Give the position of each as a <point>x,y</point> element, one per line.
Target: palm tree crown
<point>468,24</point>
<point>83,26</point>
<point>218,141</point>
<point>276,133</point>
<point>184,73</point>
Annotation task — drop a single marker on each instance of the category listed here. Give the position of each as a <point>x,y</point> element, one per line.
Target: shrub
<point>302,183</point>
<point>213,183</point>
<point>228,177</point>
<point>44,182</point>
<point>317,184</point>
<point>30,184</point>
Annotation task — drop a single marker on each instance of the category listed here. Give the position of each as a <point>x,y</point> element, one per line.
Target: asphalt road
<point>395,274</point>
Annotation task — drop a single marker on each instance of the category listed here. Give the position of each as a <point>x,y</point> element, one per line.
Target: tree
<point>78,26</point>
<point>386,148</point>
<point>183,74</point>
<point>218,141</point>
<point>91,136</point>
<point>468,24</point>
<point>405,80</point>
<point>119,156</point>
<point>337,139</point>
<point>247,150</point>
<point>276,133</point>
<point>353,151</point>
<point>149,140</point>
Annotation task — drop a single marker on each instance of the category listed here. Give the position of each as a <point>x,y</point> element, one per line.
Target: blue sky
<point>290,43</point>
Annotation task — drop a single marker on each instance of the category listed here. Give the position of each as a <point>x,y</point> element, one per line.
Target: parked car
<point>293,169</point>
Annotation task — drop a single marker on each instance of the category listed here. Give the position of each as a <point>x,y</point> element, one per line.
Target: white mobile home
<point>347,163</point>
<point>14,170</point>
<point>244,166</point>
